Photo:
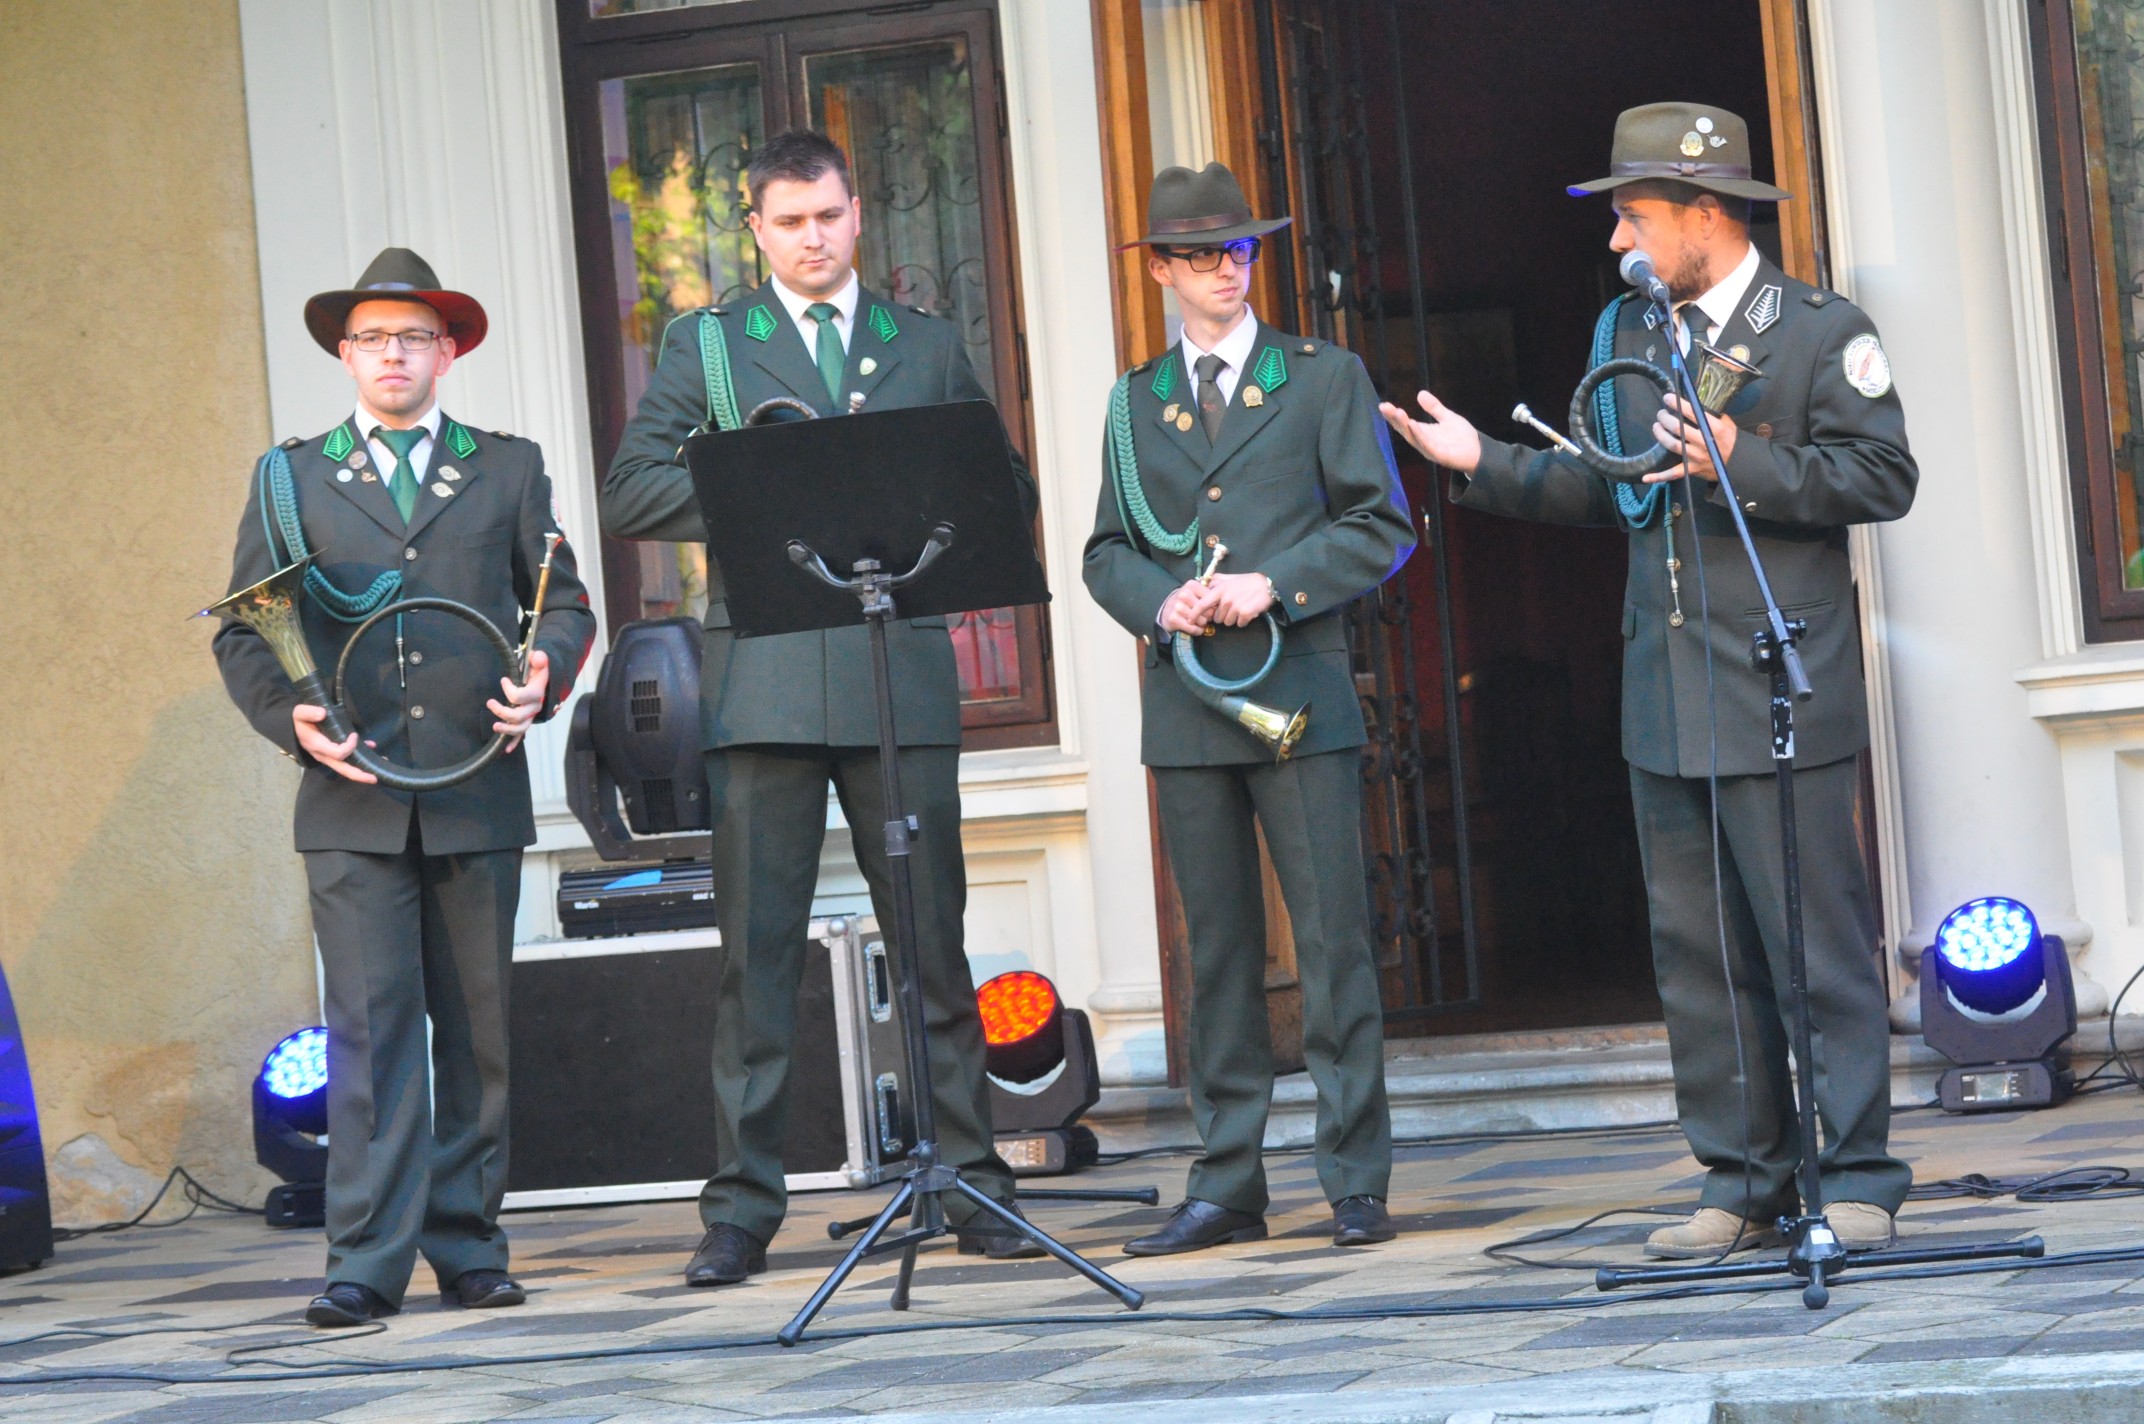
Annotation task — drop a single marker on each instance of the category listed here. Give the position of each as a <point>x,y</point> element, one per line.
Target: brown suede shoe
<point>1710,1233</point>
<point>1860,1226</point>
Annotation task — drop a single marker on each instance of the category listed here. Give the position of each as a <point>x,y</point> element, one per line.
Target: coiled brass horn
<point>270,608</point>
<point>1277,729</point>
<point>1720,378</point>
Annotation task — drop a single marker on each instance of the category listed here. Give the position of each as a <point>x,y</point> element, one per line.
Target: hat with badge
<point>397,275</point>
<point>1698,144</point>
<point>1202,209</point>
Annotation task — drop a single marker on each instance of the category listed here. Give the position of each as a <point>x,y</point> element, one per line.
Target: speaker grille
<point>647,705</point>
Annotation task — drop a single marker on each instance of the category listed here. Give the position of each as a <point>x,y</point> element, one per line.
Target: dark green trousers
<point>1311,811</point>
<point>416,1136</point>
<point>1852,1036</point>
<point>769,810</point>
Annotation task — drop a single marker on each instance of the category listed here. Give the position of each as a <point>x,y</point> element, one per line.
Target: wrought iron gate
<point>1314,139</point>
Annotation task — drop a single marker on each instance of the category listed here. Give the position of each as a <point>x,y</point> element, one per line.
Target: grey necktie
<point>1695,323</point>
<point>1211,406</point>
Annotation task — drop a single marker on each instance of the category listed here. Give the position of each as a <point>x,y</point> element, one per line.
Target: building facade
<point>573,163</point>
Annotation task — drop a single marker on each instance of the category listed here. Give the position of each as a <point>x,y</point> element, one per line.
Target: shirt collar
<point>1234,348</point>
<point>367,422</point>
<point>1720,302</point>
<point>844,300</point>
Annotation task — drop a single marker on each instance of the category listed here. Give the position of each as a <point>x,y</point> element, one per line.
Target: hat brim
<point>1210,237</point>
<point>1748,188</point>
<point>326,313</point>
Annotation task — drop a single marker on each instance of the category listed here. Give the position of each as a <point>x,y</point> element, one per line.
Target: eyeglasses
<point>377,340</point>
<point>1243,252</point>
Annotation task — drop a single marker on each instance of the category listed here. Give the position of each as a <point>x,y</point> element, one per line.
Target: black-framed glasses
<point>1243,252</point>
<point>377,340</point>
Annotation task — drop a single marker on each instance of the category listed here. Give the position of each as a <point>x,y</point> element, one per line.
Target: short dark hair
<point>1683,195</point>
<point>799,156</point>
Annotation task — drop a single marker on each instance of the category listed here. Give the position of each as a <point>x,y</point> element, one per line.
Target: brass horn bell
<point>270,608</point>
<point>1277,729</point>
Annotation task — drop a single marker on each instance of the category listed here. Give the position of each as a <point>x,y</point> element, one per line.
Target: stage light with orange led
<point>1040,1060</point>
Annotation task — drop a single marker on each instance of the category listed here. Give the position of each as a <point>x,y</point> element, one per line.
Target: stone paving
<point>612,1333</point>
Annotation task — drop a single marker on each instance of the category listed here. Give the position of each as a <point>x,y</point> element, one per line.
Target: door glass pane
<point>601,8</point>
<point>905,115</point>
<point>674,150</point>
<point>2110,85</point>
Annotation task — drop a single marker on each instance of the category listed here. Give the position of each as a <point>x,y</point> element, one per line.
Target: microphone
<point>1637,270</point>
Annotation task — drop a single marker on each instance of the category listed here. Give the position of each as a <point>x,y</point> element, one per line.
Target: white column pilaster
<point>1931,170</point>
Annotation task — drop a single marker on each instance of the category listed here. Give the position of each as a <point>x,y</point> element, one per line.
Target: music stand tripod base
<point>927,1180</point>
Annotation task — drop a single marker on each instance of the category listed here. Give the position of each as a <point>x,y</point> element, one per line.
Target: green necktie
<point>402,484</point>
<point>831,357</point>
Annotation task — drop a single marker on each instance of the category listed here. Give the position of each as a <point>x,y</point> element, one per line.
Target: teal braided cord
<point>1124,474</point>
<point>1638,511</point>
<point>715,365</point>
<point>282,498</point>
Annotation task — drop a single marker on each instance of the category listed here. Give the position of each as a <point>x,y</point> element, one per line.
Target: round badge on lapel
<point>345,474</point>
<point>867,365</point>
<point>443,491</point>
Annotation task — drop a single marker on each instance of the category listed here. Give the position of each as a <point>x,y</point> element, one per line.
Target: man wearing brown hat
<point>1818,444</point>
<point>1258,451</point>
<point>413,895</point>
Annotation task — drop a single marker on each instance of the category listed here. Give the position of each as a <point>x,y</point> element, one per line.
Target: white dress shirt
<point>1717,305</point>
<point>420,454</point>
<point>1234,350</point>
<point>807,325</point>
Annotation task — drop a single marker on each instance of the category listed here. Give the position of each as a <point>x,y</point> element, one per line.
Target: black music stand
<point>929,490</point>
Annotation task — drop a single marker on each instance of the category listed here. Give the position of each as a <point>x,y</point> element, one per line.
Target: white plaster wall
<point>1925,169</point>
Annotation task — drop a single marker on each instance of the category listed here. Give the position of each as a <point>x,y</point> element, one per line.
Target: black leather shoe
<point>481,1290</point>
<point>348,1303</point>
<point>1361,1221</point>
<point>1195,1226</point>
<point>726,1256</point>
<point>985,1235</point>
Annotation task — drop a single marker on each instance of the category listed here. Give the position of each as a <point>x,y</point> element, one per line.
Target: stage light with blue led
<point>290,1123</point>
<point>1997,1000</point>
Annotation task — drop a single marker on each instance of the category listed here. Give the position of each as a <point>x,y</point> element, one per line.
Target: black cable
<point>2069,1184</point>
<point>197,1197</point>
<point>1247,1314</point>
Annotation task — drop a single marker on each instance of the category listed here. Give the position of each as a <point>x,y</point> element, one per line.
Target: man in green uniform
<point>783,716</point>
<point>1246,438</point>
<point>413,895</point>
<point>1821,446</point>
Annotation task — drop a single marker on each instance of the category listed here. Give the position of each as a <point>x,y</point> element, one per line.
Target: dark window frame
<point>2112,613</point>
<point>779,35</point>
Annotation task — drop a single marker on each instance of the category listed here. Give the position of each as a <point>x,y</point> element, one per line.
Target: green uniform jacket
<point>1302,488</point>
<point>808,689</point>
<point>476,537</point>
<point>1812,456</point>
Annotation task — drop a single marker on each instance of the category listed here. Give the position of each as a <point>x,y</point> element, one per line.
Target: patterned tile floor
<point>611,1333</point>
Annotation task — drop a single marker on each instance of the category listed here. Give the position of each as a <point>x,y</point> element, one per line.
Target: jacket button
<point>1302,600</point>
<point>415,658</point>
<point>1213,492</point>
<point>408,554</point>
<point>1751,506</point>
<point>1212,540</point>
<point>417,712</point>
<point>1764,429</point>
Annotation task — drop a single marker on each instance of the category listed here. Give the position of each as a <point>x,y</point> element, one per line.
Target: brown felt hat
<point>1202,209</point>
<point>397,275</point>
<point>1699,144</point>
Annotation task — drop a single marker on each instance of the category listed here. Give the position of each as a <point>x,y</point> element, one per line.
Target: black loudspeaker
<point>610,1066</point>
<point>25,1199</point>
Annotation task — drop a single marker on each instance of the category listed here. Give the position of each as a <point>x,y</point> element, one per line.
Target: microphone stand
<point>1814,1254</point>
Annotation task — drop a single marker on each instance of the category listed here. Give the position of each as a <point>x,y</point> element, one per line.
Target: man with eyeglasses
<point>413,895</point>
<point>1260,451</point>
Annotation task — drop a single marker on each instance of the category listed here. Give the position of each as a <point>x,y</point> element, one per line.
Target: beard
<point>1692,277</point>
